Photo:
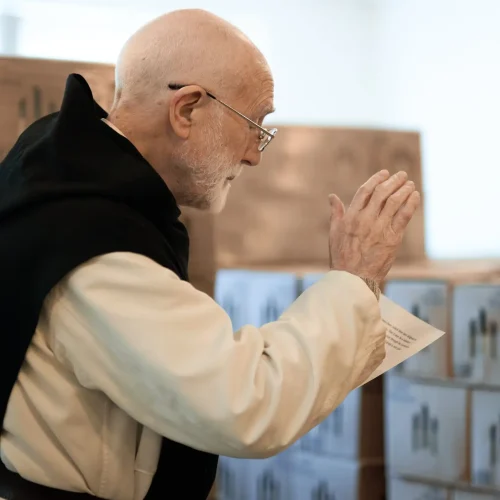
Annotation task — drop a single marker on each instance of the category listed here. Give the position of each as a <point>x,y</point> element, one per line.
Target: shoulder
<point>122,266</point>
<point>77,229</point>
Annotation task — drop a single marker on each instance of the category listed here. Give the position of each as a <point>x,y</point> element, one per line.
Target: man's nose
<point>252,156</point>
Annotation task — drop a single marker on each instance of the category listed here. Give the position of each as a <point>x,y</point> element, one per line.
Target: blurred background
<point>360,85</point>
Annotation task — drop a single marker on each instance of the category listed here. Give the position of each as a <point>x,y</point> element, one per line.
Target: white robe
<point>125,352</point>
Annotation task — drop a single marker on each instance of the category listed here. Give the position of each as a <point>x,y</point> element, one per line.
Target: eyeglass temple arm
<point>262,129</point>
<point>175,86</point>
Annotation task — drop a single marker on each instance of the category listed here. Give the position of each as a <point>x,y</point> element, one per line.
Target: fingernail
<point>384,172</point>
<point>410,183</point>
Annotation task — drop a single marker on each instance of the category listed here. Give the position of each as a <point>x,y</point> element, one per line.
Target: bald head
<point>179,80</point>
<point>188,46</point>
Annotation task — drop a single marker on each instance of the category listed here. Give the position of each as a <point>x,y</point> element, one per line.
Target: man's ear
<point>181,108</point>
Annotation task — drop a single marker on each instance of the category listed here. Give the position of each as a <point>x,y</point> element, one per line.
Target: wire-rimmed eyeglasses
<point>265,136</point>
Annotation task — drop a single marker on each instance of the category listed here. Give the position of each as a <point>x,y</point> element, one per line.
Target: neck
<point>147,139</point>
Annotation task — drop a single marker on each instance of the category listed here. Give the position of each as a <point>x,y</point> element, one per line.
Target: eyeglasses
<point>265,136</point>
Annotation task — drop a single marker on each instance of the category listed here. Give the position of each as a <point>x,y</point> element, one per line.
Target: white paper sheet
<point>406,335</point>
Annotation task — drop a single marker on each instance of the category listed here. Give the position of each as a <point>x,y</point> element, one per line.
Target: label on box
<point>476,320</point>
<point>318,478</point>
<point>426,429</point>
<point>429,302</point>
<point>486,438</point>
<point>254,297</point>
<point>339,434</point>
<point>268,479</point>
<point>406,490</point>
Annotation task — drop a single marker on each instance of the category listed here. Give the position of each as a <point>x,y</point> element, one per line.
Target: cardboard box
<point>354,430</point>
<point>426,429</point>
<point>427,290</point>
<point>202,268</point>
<point>485,438</point>
<point>400,489</point>
<point>278,215</point>
<point>254,297</point>
<point>32,88</point>
<point>319,478</point>
<point>474,495</point>
<point>476,347</point>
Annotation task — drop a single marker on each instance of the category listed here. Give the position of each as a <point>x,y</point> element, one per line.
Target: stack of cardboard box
<point>343,456</point>
<point>254,297</point>
<point>442,409</point>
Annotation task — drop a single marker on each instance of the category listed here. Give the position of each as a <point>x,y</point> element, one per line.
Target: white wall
<point>437,69</point>
<point>318,54</point>
<point>429,65</point>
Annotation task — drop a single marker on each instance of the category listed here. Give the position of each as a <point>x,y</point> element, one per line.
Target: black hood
<point>73,153</point>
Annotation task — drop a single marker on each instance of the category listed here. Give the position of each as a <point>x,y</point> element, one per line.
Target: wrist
<point>373,285</point>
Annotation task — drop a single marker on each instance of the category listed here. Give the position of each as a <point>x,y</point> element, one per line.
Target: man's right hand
<point>365,238</point>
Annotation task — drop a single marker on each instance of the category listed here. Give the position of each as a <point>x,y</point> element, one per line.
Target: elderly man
<point>118,379</point>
